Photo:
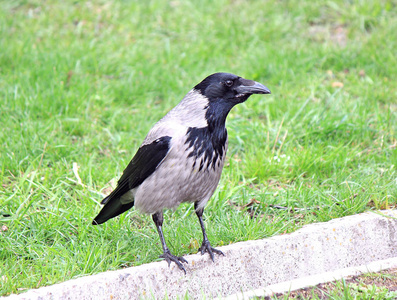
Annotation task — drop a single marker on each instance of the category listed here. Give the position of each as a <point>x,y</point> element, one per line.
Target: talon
<point>168,257</point>
<point>206,247</point>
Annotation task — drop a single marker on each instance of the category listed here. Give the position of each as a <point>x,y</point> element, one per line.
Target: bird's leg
<point>205,246</point>
<point>158,220</point>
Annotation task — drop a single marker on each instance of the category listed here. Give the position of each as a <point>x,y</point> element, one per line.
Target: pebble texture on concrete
<point>314,249</point>
<point>313,280</point>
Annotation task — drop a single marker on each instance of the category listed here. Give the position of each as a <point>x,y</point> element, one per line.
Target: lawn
<point>81,83</point>
<point>374,286</point>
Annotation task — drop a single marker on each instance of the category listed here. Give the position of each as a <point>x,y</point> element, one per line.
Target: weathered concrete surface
<point>314,249</point>
<point>313,280</point>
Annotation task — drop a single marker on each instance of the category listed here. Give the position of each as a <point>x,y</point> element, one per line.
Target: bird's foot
<point>206,247</point>
<point>176,259</point>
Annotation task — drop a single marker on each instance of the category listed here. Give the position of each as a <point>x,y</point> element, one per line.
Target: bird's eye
<point>229,83</point>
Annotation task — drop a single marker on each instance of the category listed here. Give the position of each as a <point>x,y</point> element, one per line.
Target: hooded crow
<point>182,157</point>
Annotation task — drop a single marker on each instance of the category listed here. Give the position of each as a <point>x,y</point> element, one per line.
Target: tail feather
<point>111,210</point>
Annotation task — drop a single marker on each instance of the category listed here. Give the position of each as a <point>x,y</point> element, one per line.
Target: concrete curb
<point>303,282</point>
<point>315,249</point>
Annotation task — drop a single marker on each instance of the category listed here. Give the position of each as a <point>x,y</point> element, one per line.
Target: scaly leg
<point>205,246</point>
<point>158,220</point>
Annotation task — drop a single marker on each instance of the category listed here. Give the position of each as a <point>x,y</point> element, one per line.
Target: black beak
<point>250,87</point>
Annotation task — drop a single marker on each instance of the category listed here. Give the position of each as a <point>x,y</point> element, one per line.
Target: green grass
<point>371,286</point>
<point>83,82</point>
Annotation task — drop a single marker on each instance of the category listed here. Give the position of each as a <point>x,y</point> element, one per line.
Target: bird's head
<point>228,88</point>
<point>222,91</point>
<point>210,101</point>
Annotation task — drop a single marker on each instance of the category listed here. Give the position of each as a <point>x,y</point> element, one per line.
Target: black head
<point>229,88</point>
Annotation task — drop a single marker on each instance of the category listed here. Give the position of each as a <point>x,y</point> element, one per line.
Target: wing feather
<point>142,165</point>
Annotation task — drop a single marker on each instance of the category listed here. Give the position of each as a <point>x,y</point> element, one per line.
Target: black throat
<point>207,144</point>
<point>206,148</point>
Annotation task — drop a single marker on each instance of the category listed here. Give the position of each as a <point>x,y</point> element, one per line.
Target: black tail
<point>112,208</point>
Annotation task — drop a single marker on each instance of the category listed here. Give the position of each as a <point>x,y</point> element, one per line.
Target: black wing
<point>142,165</point>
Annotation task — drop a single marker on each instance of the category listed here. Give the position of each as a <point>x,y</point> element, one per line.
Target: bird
<point>181,158</point>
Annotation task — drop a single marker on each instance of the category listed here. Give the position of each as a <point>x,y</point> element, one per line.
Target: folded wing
<point>142,165</point>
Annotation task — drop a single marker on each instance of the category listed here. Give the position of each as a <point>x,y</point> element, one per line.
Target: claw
<point>206,247</point>
<point>176,259</point>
